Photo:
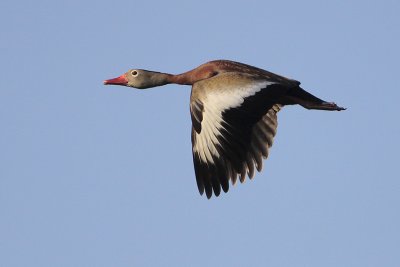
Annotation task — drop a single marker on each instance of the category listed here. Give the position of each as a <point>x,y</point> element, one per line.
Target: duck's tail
<point>305,99</point>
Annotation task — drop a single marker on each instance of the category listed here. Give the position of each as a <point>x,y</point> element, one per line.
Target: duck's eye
<point>134,73</point>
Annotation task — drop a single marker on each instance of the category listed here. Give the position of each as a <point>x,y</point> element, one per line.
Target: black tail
<point>299,96</point>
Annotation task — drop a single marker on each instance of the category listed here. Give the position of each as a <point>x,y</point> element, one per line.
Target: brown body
<point>216,67</point>
<point>234,110</point>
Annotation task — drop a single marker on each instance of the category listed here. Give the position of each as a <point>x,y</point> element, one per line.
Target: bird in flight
<point>233,107</point>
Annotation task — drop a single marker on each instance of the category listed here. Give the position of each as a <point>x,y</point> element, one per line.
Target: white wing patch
<point>215,103</point>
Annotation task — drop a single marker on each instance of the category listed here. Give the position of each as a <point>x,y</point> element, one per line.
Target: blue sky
<point>102,176</point>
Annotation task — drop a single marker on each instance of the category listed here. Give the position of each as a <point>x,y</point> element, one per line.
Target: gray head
<point>140,79</point>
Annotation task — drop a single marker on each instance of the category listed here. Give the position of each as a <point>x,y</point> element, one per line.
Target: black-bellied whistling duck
<point>234,110</point>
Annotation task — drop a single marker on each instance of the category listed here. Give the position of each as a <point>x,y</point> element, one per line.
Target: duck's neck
<point>183,78</point>
<point>160,79</point>
<point>155,79</point>
<point>188,78</point>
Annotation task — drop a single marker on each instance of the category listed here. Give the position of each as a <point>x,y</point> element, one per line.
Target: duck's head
<point>140,79</point>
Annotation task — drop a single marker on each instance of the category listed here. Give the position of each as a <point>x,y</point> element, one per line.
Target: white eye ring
<point>135,73</point>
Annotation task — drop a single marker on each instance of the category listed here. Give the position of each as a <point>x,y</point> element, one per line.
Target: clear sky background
<point>102,176</point>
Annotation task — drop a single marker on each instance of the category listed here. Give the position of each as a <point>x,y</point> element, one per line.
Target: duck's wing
<point>234,121</point>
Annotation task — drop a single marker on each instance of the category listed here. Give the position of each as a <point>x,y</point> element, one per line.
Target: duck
<point>233,109</point>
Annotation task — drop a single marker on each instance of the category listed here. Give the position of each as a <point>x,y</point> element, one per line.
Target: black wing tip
<point>225,187</point>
